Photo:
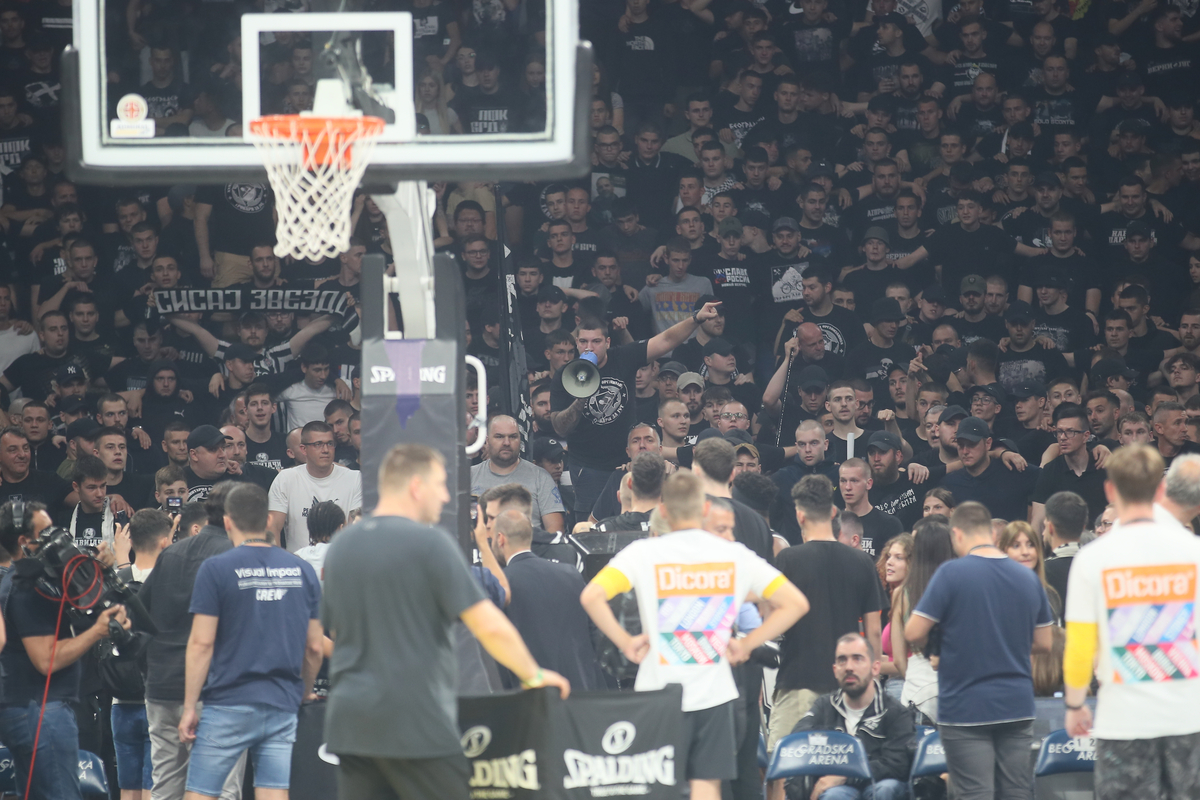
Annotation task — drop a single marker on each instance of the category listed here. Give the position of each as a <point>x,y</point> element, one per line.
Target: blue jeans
<point>888,789</point>
<point>131,738</point>
<point>225,732</point>
<point>56,770</point>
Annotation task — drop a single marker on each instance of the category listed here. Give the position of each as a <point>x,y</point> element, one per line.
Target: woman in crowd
<point>465,77</point>
<point>1023,544</point>
<point>931,548</point>
<point>938,501</point>
<point>431,101</point>
<point>893,569</point>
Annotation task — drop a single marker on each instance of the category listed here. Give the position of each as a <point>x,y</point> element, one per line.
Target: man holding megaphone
<point>592,399</point>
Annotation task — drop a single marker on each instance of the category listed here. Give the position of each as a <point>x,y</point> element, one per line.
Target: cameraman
<point>167,594</point>
<point>36,631</point>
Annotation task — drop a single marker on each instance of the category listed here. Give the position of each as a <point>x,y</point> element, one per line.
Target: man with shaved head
<point>506,466</point>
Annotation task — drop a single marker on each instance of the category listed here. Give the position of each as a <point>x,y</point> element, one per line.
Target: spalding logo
<point>326,756</point>
<point>475,741</point>
<point>382,374</point>
<point>618,738</point>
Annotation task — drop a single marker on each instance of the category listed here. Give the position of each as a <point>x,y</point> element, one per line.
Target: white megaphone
<point>581,378</point>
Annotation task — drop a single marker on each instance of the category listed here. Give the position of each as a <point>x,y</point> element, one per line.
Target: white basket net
<point>314,164</point>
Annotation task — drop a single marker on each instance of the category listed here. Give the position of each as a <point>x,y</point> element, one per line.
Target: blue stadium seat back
<point>820,753</point>
<point>8,772</point>
<point>764,758</point>
<point>922,731</point>
<point>930,758</point>
<point>92,782</point>
<point>1063,753</point>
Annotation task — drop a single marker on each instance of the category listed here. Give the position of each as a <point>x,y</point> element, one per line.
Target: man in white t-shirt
<point>305,401</point>
<point>16,336</point>
<point>1131,610</point>
<point>690,585</point>
<point>298,489</point>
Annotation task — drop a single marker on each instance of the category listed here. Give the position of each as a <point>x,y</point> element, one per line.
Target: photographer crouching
<point>42,641</point>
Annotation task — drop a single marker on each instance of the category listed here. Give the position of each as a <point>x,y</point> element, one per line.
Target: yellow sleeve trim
<point>613,581</point>
<point>1080,655</point>
<point>780,580</point>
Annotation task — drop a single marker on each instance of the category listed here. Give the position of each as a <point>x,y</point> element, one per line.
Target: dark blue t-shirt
<point>988,609</point>
<point>264,598</point>
<point>1004,491</point>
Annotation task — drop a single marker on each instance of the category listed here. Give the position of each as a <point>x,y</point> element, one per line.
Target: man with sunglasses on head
<point>297,489</point>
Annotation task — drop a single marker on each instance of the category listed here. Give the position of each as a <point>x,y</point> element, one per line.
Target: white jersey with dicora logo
<point>1139,585</point>
<point>690,585</point>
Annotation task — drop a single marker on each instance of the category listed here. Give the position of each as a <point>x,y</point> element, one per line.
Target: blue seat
<point>930,758</point>
<point>1063,753</point>
<point>820,753</point>
<point>93,784</point>
<point>764,759</point>
<point>8,773</point>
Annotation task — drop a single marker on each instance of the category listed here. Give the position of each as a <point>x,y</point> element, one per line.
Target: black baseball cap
<point>1047,178</point>
<point>83,427</point>
<point>1138,228</point>
<point>886,309</point>
<point>990,390</point>
<point>205,436</point>
<point>551,294</point>
<point>718,346</point>
<point>242,352</point>
<point>973,429</point>
<point>73,405</point>
<point>546,450</point>
<point>1050,278</point>
<point>1107,368</point>
<point>892,18</point>
<point>1019,312</point>
<point>704,299</point>
<point>884,440</point>
<point>952,412</point>
<point>1027,389</point>
<point>934,293</point>
<point>812,377</point>
<point>673,367</point>
<point>69,373</point>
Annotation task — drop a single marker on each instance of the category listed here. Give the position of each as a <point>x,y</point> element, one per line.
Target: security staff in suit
<point>544,605</point>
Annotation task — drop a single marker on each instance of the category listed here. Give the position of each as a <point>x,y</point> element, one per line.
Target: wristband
<point>539,679</point>
<point>1074,708</point>
<point>695,317</point>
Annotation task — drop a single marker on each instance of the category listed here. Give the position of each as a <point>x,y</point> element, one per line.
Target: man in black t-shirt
<point>969,247</point>
<point>592,424</point>
<point>491,107</point>
<point>207,464</point>
<point>19,482</point>
<point>35,624</point>
<point>893,491</point>
<point>230,220</point>
<point>843,589</point>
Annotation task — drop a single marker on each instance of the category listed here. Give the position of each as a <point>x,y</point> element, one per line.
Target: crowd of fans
<point>939,257</point>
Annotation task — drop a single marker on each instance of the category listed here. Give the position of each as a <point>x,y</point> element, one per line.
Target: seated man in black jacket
<point>861,708</point>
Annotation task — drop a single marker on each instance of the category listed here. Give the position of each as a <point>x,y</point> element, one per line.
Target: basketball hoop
<point>315,164</point>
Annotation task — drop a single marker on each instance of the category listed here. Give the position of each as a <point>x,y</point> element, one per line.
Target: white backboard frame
<point>399,23</point>
<point>561,151</point>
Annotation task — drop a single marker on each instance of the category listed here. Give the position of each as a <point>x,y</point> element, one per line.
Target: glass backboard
<point>171,105</point>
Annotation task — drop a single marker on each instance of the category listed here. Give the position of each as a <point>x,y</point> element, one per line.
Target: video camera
<point>58,564</point>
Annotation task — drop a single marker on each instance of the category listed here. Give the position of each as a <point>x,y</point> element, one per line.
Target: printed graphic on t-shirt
<point>269,583</point>
<point>1152,622</point>
<point>695,612</point>
<point>785,282</point>
<point>606,405</point>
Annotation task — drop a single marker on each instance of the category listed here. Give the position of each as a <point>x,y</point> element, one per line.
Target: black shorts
<point>369,778</point>
<point>710,743</point>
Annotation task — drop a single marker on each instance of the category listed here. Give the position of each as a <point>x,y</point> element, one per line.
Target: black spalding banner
<point>507,738</point>
<point>535,746</point>
<point>594,745</point>
<point>623,744</point>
